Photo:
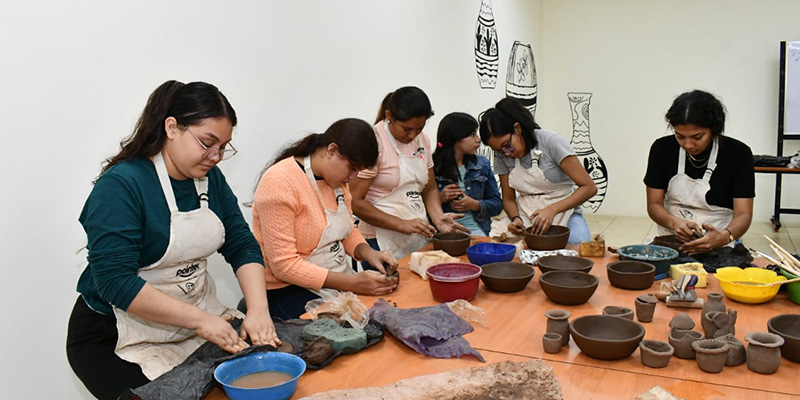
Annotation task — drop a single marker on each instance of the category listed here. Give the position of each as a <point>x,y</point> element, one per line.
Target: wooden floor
<point>516,326</point>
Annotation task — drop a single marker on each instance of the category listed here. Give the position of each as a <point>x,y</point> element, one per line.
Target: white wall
<point>75,76</point>
<point>637,56</point>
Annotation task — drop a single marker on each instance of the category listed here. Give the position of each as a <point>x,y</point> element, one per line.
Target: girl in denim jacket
<point>465,180</point>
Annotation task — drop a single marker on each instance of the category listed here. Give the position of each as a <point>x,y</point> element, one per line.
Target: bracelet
<point>730,235</point>
<point>516,216</point>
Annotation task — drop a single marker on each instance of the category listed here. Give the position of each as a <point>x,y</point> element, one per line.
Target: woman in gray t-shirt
<point>538,171</point>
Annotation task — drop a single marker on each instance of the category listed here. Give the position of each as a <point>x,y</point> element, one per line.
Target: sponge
<point>338,336</point>
<point>695,268</point>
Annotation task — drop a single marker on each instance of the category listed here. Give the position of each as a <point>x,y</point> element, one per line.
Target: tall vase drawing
<point>521,76</point>
<point>487,58</point>
<point>582,143</point>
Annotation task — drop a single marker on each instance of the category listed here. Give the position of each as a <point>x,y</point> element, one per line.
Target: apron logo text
<point>188,271</point>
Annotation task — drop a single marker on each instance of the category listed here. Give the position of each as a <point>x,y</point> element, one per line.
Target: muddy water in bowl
<point>261,379</point>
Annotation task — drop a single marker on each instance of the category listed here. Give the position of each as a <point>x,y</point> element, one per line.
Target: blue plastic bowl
<point>231,370</point>
<point>486,253</point>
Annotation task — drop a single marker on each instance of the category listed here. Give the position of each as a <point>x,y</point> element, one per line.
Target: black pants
<point>91,340</point>
<point>373,243</point>
<point>285,303</point>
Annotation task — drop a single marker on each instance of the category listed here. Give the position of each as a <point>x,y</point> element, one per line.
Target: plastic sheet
<point>468,312</point>
<point>346,306</point>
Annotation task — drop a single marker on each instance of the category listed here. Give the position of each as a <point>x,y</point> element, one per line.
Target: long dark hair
<point>453,128</point>
<point>188,103</point>
<point>405,103</point>
<point>499,121</point>
<point>354,137</point>
<point>697,108</point>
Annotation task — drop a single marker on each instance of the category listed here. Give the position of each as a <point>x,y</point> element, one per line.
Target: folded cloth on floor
<point>434,331</point>
<point>194,378</point>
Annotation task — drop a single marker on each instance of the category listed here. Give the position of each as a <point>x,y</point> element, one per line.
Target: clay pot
<point>719,323</point>
<point>655,353</point>
<point>711,354</point>
<point>568,287</point>
<point>682,340</point>
<point>506,277</point>
<point>713,303</point>
<point>618,311</point>
<point>555,238</point>
<point>558,322</point>
<point>551,342</point>
<point>787,326</point>
<point>453,243</point>
<point>631,275</point>
<point>763,352</point>
<point>645,306</point>
<point>605,337</point>
<point>736,351</point>
<point>564,263</point>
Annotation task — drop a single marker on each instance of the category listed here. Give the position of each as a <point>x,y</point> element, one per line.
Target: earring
<point>388,121</point>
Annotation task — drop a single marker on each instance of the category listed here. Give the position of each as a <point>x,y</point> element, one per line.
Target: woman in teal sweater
<point>157,211</point>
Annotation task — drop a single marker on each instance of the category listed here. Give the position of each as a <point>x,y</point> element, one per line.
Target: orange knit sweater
<point>288,222</point>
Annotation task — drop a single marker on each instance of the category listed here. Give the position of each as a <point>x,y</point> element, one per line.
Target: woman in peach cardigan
<point>303,220</point>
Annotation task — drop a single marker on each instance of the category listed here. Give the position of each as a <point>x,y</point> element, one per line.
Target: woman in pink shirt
<point>392,198</point>
<point>302,218</point>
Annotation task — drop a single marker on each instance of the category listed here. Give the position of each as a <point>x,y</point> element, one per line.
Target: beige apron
<point>686,197</point>
<point>405,201</point>
<point>535,192</point>
<point>181,273</point>
<point>329,253</point>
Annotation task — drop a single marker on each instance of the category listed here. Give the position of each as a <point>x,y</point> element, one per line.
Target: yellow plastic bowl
<point>753,294</point>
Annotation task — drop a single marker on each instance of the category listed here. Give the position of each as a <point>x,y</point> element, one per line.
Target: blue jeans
<point>578,229</point>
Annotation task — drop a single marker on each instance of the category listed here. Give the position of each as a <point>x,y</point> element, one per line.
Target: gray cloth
<point>433,331</point>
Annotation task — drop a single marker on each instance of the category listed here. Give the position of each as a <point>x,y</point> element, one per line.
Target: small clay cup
<point>711,354</point>
<point>558,322</point>
<point>682,340</point>
<point>645,306</point>
<point>453,243</point>
<point>555,238</point>
<point>655,353</point>
<point>617,311</point>
<point>551,342</point>
<point>763,352</point>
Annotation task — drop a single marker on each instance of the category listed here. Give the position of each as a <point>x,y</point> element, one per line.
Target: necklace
<point>695,159</point>
<point>699,164</point>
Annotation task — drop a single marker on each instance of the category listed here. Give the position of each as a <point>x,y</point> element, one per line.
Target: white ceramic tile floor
<point>620,231</point>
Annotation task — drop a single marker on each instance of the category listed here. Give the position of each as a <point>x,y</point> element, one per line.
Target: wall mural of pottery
<point>582,143</point>
<point>521,76</point>
<point>487,56</point>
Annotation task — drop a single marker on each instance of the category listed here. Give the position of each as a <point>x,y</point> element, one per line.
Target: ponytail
<point>404,104</point>
<point>499,121</point>
<point>301,148</point>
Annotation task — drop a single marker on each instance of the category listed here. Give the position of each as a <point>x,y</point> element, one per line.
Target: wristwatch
<point>730,235</point>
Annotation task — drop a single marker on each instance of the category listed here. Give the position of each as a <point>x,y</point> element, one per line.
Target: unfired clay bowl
<point>631,275</point>
<point>787,326</point>
<point>506,277</point>
<point>605,337</point>
<point>564,263</point>
<point>555,238</point>
<point>570,288</point>
<point>453,243</point>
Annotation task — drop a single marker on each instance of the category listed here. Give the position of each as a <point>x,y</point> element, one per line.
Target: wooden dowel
<point>780,250</point>
<point>785,262</point>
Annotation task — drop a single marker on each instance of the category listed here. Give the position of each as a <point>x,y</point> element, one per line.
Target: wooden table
<point>516,326</point>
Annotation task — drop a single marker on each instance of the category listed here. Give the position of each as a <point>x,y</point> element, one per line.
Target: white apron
<point>329,253</point>
<point>535,192</point>
<point>405,201</point>
<point>686,197</point>
<point>181,273</point>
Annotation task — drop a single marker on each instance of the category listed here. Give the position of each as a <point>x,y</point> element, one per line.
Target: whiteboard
<point>791,112</point>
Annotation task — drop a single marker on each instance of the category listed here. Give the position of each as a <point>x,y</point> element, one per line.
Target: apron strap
<point>163,178</point>
<point>201,186</point>
<point>310,174</point>
<point>712,160</point>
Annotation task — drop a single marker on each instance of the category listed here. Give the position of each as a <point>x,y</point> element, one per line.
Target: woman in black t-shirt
<point>700,184</point>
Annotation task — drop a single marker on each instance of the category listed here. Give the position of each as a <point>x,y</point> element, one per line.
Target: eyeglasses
<point>507,148</point>
<point>214,152</point>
